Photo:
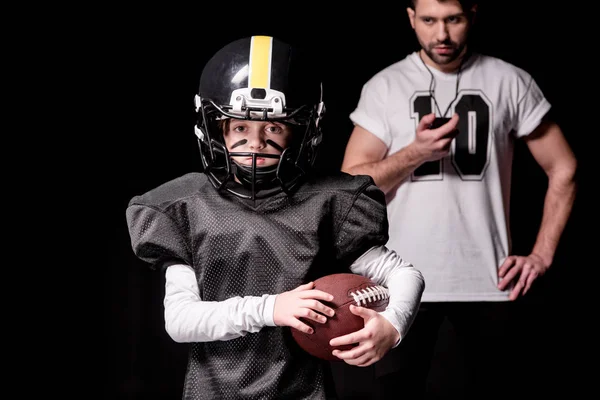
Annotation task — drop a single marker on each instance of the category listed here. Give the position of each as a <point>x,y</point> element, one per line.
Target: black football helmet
<point>259,78</point>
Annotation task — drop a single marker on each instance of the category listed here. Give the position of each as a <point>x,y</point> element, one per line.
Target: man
<point>435,131</point>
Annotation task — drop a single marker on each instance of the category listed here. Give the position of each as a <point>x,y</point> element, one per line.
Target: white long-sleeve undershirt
<point>190,319</point>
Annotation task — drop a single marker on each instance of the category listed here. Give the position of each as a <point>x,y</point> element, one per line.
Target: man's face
<point>256,137</point>
<point>441,29</point>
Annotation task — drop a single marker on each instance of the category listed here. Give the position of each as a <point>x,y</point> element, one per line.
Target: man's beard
<point>443,59</point>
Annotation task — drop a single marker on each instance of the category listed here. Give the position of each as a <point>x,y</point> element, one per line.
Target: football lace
<point>370,294</point>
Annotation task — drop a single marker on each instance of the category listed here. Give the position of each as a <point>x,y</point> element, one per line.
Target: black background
<point>149,61</point>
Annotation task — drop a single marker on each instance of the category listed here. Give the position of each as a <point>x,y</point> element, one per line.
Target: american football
<point>346,289</point>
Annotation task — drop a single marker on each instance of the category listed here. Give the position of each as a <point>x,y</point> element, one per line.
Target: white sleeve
<point>404,282</point>
<point>190,319</point>
<point>531,107</point>
<point>370,112</point>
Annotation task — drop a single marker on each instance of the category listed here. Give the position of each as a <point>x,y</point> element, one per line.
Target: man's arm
<point>366,154</point>
<point>552,152</point>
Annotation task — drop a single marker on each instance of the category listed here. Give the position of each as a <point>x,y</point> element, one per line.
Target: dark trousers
<point>489,338</point>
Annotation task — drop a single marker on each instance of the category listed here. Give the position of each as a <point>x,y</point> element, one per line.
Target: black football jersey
<point>238,248</point>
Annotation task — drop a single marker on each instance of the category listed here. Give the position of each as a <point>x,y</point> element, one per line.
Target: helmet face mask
<point>258,79</point>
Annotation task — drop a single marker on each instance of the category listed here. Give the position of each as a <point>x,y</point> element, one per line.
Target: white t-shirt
<point>450,218</point>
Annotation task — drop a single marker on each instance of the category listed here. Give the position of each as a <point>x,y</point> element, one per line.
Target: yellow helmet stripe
<point>261,48</point>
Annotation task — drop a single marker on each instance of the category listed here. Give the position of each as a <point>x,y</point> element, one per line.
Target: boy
<point>241,243</point>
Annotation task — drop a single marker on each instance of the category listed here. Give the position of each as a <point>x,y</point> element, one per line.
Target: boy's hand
<point>302,302</point>
<point>374,340</point>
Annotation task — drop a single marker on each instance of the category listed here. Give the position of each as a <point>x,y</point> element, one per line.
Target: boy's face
<point>256,137</point>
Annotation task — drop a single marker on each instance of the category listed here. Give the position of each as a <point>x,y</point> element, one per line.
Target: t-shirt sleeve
<point>370,112</point>
<point>532,106</point>
<point>156,238</point>
<point>364,224</point>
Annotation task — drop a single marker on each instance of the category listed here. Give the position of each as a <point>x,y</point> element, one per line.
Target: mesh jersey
<point>451,217</point>
<point>320,229</point>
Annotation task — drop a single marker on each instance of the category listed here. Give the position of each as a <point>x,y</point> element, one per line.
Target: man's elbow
<point>352,169</point>
<point>565,173</point>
